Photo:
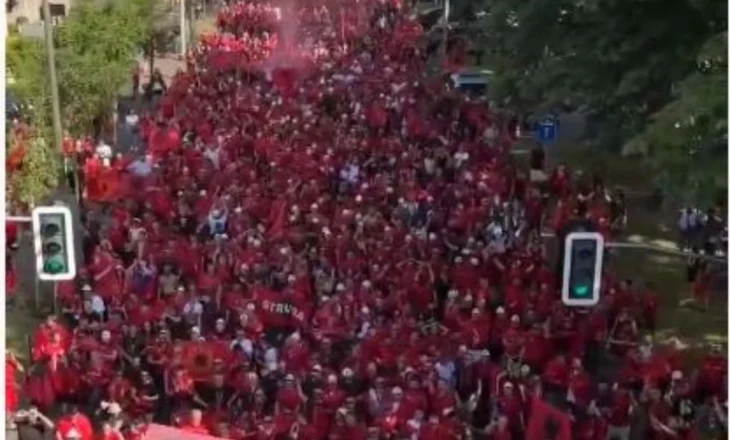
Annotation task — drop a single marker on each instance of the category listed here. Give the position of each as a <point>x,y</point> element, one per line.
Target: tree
<point>25,61</point>
<point>96,48</point>
<point>40,170</point>
<point>633,65</point>
<point>686,141</point>
<point>39,173</point>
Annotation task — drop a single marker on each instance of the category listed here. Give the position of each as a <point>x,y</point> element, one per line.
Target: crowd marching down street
<point>323,242</point>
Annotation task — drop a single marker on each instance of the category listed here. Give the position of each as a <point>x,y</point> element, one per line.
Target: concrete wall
<point>31,10</point>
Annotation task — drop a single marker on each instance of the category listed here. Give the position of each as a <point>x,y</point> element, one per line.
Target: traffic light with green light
<point>582,268</point>
<point>54,244</point>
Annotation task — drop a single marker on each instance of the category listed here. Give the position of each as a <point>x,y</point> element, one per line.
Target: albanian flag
<point>548,422</point>
<point>200,357</point>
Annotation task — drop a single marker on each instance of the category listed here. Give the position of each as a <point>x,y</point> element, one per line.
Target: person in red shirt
<point>624,335</point>
<point>513,341</point>
<point>619,414</point>
<point>555,375</point>
<point>580,387</point>
<point>289,395</point>
<point>12,368</point>
<point>659,416</point>
<point>510,406</point>
<point>77,422</point>
<point>713,372</point>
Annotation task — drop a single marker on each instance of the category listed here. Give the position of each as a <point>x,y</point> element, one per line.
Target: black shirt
<point>537,159</point>
<point>215,398</point>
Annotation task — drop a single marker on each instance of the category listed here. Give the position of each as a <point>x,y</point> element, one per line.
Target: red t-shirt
<point>556,371</point>
<point>79,422</point>
<point>620,410</point>
<point>288,398</point>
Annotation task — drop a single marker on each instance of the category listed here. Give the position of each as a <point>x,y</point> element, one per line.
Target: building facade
<point>29,11</point>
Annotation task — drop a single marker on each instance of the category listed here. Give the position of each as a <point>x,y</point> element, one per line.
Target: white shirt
<point>245,344</point>
<point>214,155</point>
<point>97,304</point>
<point>350,173</point>
<point>132,119</point>
<point>193,308</point>
<point>140,168</point>
<point>271,358</point>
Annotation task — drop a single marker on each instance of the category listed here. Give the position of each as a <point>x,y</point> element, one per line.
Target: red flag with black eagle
<point>548,422</point>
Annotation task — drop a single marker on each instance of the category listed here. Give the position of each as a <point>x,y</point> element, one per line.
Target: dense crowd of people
<point>322,242</point>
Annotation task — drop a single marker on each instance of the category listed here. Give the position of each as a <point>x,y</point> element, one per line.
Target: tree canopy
<point>651,73</point>
<point>96,48</point>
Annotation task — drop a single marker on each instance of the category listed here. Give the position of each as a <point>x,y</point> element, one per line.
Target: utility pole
<point>191,10</point>
<point>445,43</point>
<point>183,30</point>
<point>55,100</point>
<point>51,57</point>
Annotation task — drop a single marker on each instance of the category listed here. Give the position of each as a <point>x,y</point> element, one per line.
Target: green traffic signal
<point>581,290</point>
<point>55,265</point>
<point>53,240</point>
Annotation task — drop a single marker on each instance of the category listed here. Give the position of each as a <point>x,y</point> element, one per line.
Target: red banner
<point>547,422</point>
<point>159,432</point>
<point>200,357</point>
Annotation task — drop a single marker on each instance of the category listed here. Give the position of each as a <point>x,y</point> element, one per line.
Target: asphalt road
<point>129,142</point>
